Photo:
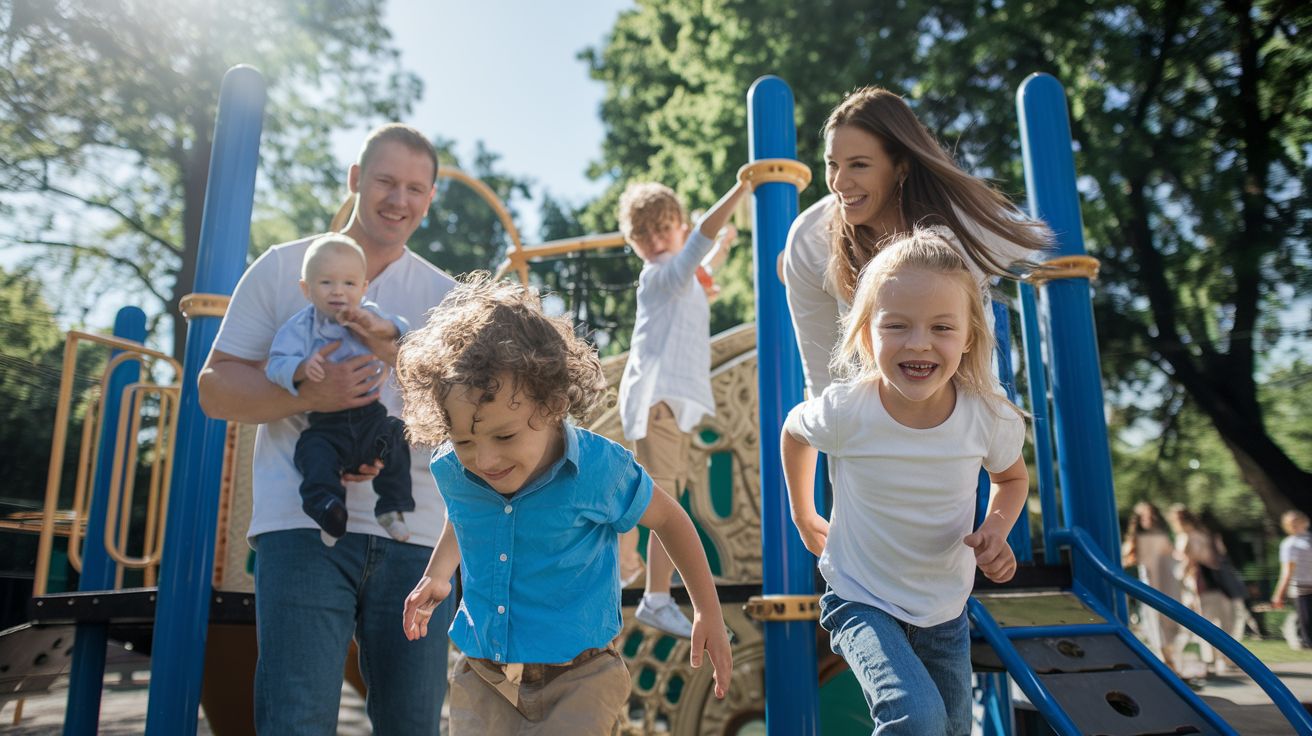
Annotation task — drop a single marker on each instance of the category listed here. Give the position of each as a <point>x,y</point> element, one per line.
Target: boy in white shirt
<point>666,387</point>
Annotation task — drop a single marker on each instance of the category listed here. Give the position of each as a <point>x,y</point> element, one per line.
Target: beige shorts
<point>587,696</point>
<point>665,451</point>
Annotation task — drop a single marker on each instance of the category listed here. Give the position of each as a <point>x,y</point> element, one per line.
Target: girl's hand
<point>992,554</point>
<point>814,530</point>
<point>420,604</point>
<point>712,637</point>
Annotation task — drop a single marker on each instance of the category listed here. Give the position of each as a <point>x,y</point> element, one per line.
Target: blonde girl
<point>887,174</point>
<point>907,429</point>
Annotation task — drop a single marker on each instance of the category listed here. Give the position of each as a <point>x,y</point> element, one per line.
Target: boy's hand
<point>314,367</point>
<point>814,530</point>
<point>420,604</point>
<point>992,553</point>
<point>711,636</point>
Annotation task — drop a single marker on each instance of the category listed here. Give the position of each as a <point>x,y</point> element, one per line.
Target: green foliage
<point>1192,137</point>
<point>31,362</point>
<point>462,231</point>
<point>106,122</point>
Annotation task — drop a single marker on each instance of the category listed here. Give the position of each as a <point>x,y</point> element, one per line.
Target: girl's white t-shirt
<point>904,498</point>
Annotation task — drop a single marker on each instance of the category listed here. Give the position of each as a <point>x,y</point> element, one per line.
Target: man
<point>311,599</point>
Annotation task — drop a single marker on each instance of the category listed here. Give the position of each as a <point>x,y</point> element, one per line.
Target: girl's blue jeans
<point>310,600</point>
<point>916,680</point>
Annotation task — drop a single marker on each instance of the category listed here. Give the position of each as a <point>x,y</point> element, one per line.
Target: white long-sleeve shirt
<point>670,355</point>
<point>814,300</point>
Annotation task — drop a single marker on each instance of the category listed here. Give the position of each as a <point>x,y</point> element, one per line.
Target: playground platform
<point>123,706</point>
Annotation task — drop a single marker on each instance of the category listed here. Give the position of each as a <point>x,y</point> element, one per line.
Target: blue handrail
<point>1020,670</point>
<point>1298,717</point>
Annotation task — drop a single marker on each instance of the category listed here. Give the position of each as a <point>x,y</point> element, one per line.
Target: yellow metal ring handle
<point>1064,267</point>
<point>768,170</point>
<point>203,305</point>
<point>783,608</point>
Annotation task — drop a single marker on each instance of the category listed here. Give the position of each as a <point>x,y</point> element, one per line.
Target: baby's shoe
<point>394,523</point>
<point>659,611</point>
<point>332,521</point>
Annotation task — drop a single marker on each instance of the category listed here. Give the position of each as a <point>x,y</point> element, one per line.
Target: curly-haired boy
<point>534,505</point>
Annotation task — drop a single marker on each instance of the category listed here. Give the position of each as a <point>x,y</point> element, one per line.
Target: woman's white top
<point>904,498</point>
<point>813,298</point>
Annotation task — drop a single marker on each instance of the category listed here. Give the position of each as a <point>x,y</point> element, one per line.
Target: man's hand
<point>378,334</point>
<point>349,384</point>
<point>364,472</point>
<point>992,553</point>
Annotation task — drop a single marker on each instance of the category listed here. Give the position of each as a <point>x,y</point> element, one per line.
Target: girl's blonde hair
<point>924,249</point>
<point>483,330</point>
<point>933,191</point>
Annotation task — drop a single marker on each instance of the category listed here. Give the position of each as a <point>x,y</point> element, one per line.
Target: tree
<point>1190,117</point>
<point>463,232</point>
<point>31,359</point>
<point>106,124</point>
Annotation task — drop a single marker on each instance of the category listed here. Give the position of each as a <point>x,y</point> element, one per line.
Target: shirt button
<point>497,657</point>
<point>501,609</point>
<point>503,557</point>
<point>509,508</point>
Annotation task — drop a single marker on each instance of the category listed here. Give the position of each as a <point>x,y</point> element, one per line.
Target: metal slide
<point>1086,673</point>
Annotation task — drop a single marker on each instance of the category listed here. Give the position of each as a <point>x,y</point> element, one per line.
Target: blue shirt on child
<point>307,332</point>
<point>540,568</point>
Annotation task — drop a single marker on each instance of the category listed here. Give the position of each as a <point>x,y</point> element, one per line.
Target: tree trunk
<point>194,177</point>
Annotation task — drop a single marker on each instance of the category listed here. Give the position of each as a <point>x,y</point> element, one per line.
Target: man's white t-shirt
<point>814,301</point>
<point>266,297</point>
<point>904,498</point>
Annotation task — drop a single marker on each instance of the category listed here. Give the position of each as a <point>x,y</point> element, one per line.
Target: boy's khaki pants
<point>586,696</point>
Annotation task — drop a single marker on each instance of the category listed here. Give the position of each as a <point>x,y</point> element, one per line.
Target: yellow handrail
<point>167,428</point>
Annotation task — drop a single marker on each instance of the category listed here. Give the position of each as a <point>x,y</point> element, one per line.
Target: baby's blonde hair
<point>483,330</point>
<point>644,207</point>
<point>924,249</point>
<point>332,244</point>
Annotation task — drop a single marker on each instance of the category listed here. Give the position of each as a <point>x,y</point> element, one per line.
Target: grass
<point>1276,651</point>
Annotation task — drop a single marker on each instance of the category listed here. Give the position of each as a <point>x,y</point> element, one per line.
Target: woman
<point>886,174</point>
<point>1148,545</point>
<point>1199,560</point>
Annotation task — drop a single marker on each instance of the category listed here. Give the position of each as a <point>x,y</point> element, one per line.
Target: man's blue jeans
<point>916,680</point>
<point>310,599</point>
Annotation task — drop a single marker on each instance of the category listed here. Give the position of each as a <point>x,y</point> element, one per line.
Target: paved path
<point>123,706</point>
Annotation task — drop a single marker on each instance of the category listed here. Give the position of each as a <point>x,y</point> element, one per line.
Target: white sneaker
<point>666,617</point>
<point>394,523</point>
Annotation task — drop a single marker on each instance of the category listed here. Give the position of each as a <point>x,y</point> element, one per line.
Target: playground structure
<point>1058,630</point>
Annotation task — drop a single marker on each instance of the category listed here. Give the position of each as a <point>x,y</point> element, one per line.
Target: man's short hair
<point>406,135</point>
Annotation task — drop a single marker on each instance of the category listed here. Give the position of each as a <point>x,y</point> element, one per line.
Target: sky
<point>506,72</point>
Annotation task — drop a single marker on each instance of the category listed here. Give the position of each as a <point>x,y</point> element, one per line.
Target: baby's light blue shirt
<point>307,332</point>
<point>540,569</point>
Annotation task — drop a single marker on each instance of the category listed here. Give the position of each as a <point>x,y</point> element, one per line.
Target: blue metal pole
<point>1036,374</point>
<point>791,688</point>
<point>1019,537</point>
<point>86,678</point>
<point>1084,455</point>
<point>186,568</point>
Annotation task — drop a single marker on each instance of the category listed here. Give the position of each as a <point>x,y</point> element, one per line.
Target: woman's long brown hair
<point>934,191</point>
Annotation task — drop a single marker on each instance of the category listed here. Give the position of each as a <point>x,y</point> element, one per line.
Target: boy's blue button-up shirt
<point>307,332</point>
<point>540,569</point>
